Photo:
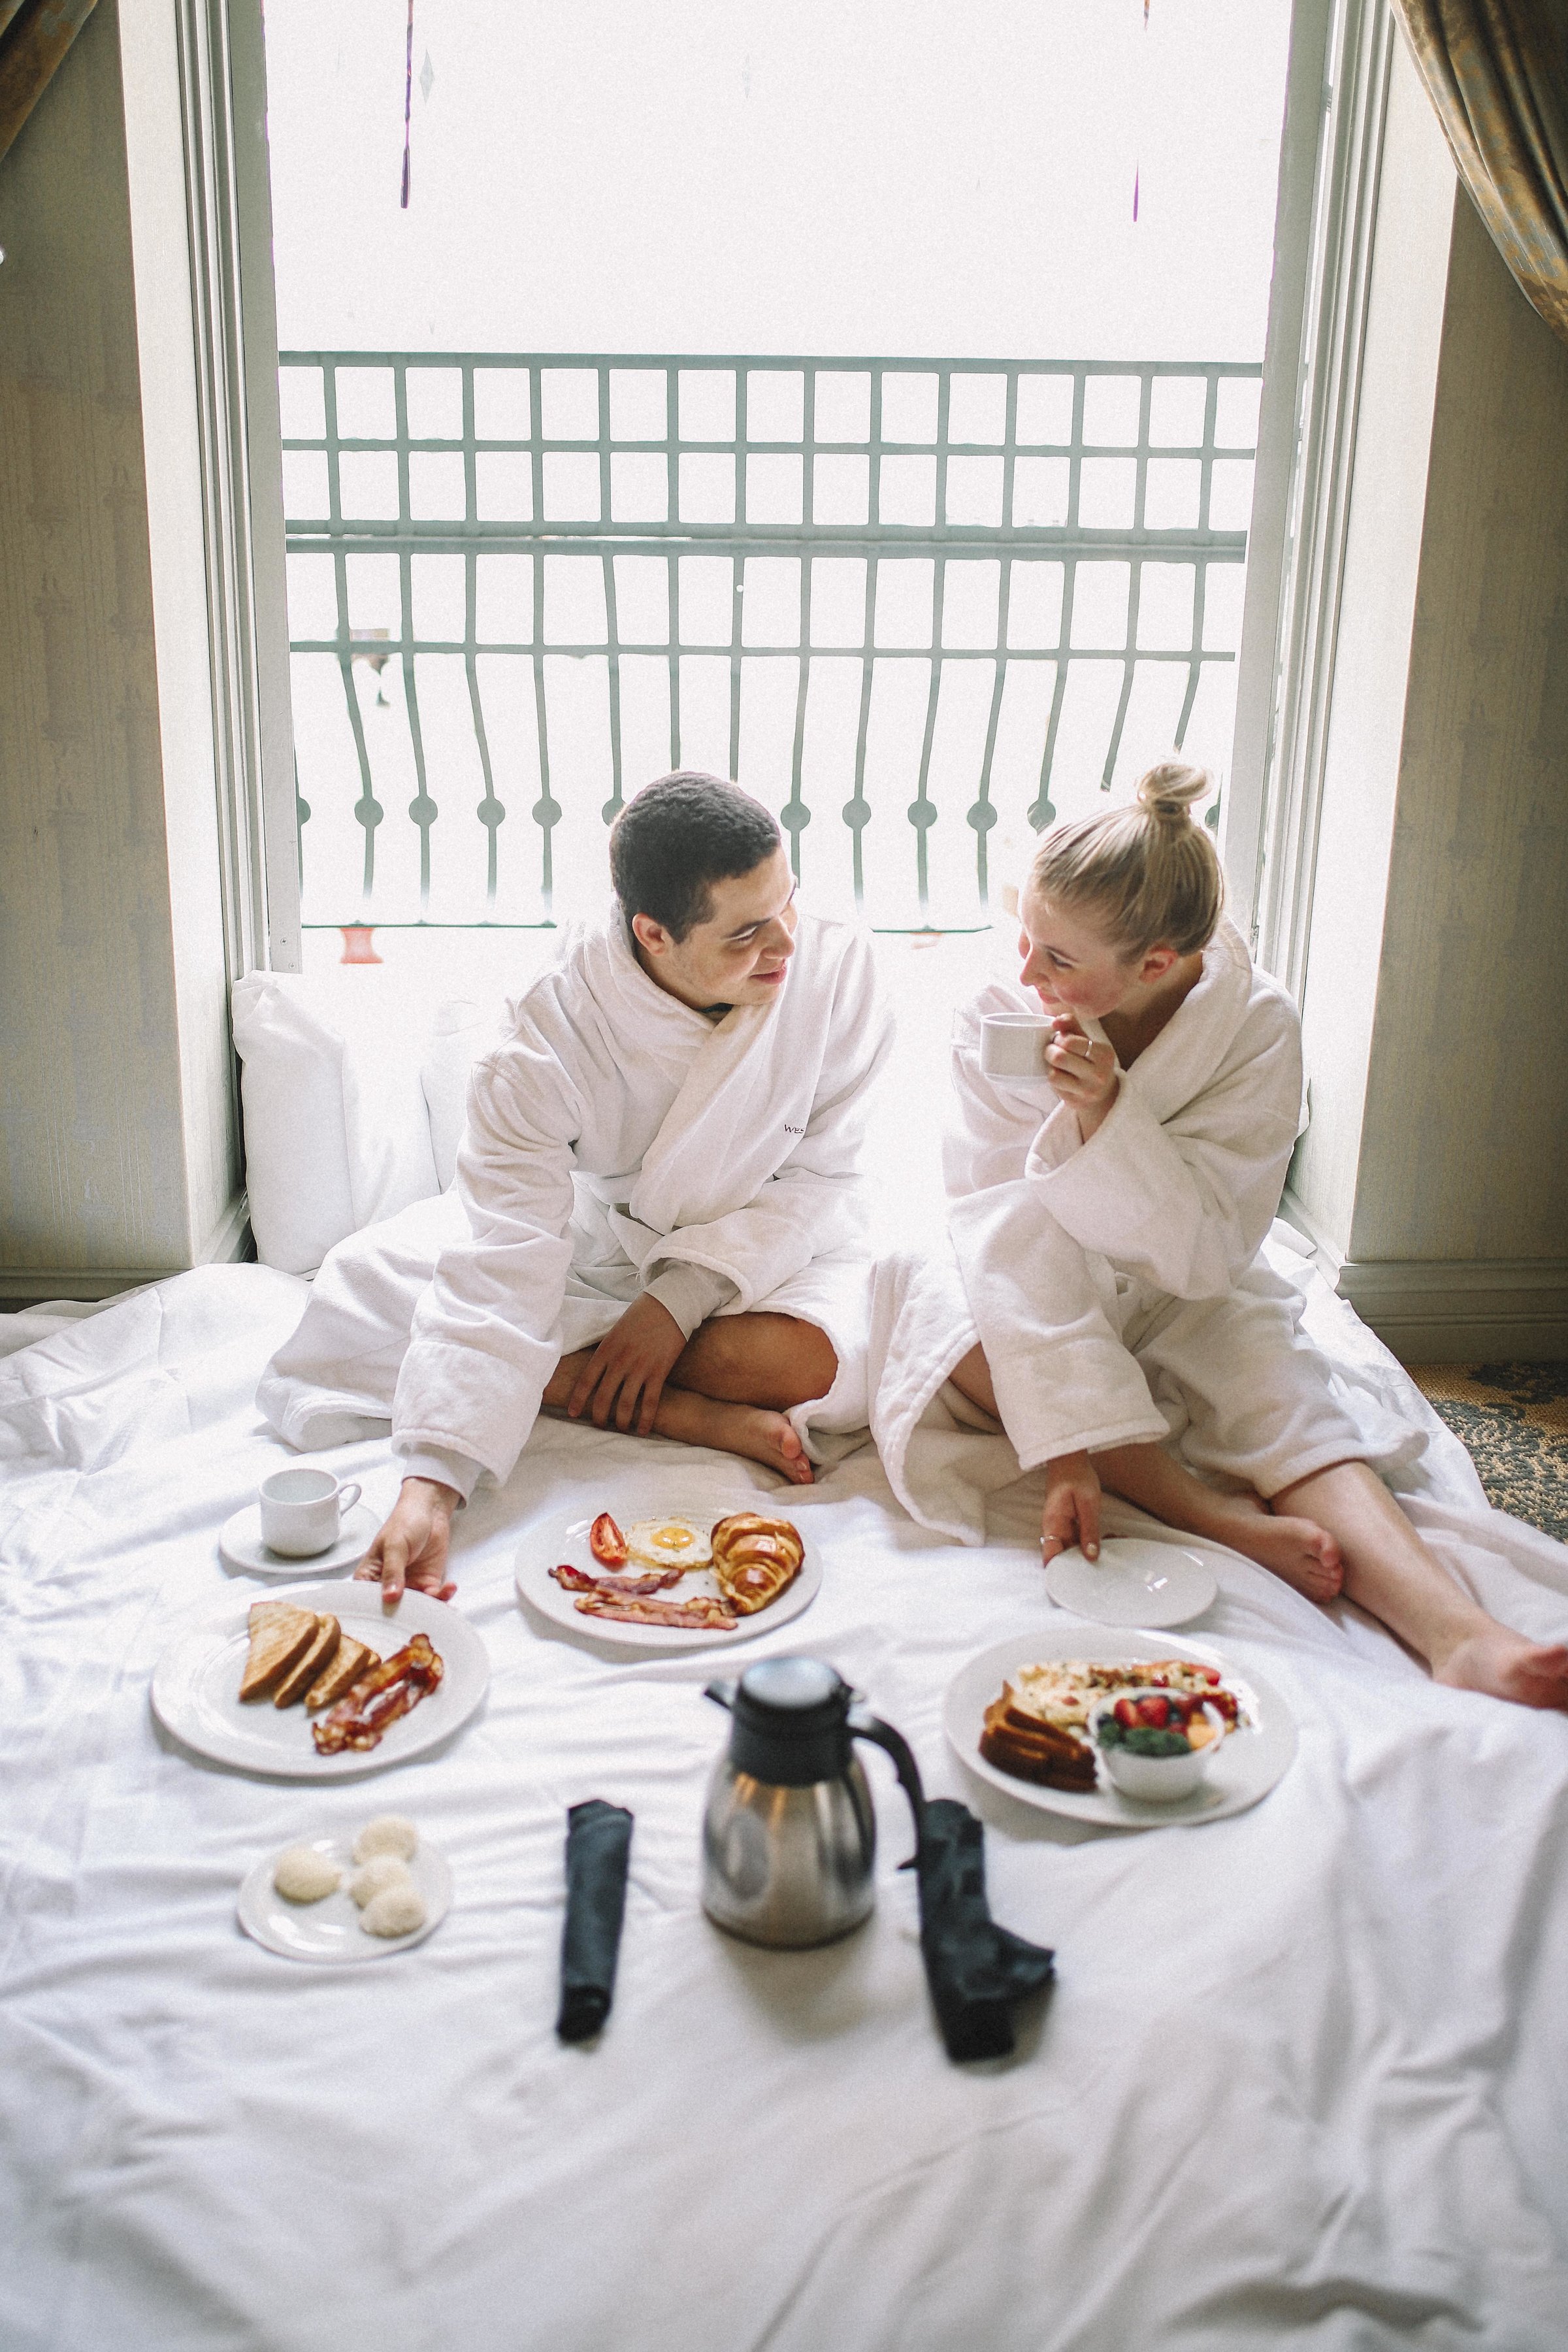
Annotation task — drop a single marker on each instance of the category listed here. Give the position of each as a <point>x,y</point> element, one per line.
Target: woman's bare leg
<point>1389,1572</point>
<point>1295,1548</point>
<point>731,1393</point>
<point>1304,1555</point>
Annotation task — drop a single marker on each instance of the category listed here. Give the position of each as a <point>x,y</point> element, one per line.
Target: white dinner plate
<point>240,1544</point>
<point>565,1542</point>
<point>329,1929</point>
<point>1248,1764</point>
<point>1134,1583</point>
<point>196,1685</point>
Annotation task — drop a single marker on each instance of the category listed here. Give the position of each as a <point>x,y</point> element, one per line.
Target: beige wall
<point>118,1157</point>
<point>1434,1005</point>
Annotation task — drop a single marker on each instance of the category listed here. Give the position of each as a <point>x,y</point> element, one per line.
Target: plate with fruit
<point>1128,1732</point>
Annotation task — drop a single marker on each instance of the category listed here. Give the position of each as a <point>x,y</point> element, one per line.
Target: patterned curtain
<point>1498,74</point>
<point>34,37</point>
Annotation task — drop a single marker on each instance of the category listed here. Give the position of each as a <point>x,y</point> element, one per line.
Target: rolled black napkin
<point>976,1970</point>
<point>598,1843</point>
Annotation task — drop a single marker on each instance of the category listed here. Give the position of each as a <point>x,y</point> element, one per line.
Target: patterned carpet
<point>1513,1418</point>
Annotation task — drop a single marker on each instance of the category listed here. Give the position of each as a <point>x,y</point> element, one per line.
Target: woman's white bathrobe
<point>1116,1285</point>
<point>616,1135</point>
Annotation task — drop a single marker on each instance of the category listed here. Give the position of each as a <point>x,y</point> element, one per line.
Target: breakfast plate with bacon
<point>680,1580</point>
<point>320,1681</point>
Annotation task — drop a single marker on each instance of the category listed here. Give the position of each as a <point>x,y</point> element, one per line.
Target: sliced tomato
<point>607,1542</point>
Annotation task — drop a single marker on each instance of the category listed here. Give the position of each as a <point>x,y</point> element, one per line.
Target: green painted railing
<point>925,598</point>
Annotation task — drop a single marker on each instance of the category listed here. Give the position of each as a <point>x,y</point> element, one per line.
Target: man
<point>656,1208</point>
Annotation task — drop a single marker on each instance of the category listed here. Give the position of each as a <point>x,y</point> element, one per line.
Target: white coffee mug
<point>1013,1045</point>
<point>301,1510</point>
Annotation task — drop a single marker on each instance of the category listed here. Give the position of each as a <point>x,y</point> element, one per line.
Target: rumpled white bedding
<point>1301,2080</point>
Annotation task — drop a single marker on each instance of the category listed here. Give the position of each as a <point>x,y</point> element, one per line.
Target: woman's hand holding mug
<point>1083,1071</point>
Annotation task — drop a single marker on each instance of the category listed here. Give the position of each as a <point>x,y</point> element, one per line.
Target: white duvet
<point>1302,2080</point>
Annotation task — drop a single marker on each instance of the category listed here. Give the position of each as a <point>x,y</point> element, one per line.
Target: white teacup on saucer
<point>301,1511</point>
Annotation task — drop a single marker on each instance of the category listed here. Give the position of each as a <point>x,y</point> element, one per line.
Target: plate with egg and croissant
<point>680,1579</point>
<point>320,1681</point>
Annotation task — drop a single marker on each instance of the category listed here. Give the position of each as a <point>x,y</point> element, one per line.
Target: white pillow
<point>460,1032</point>
<point>336,1131</point>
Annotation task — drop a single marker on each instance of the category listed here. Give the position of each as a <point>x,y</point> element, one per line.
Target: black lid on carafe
<point>789,1721</point>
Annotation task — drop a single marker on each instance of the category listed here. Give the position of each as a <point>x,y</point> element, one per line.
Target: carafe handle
<point>864,1725</point>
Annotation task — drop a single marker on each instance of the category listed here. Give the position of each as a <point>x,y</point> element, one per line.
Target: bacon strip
<point>577,1580</point>
<point>712,1616</point>
<point>392,1688</point>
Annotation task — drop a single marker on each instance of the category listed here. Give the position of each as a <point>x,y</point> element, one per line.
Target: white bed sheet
<point>1301,2080</point>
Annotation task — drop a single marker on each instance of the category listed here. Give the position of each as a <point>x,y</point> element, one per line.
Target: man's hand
<point>412,1547</point>
<point>1084,1073</point>
<point>1072,1507</point>
<point>633,1360</point>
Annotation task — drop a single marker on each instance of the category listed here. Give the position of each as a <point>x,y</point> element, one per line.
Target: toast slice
<point>349,1660</point>
<point>279,1634</point>
<point>315,1658</point>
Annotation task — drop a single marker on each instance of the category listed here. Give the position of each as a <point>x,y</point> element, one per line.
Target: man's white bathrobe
<point>618,1140</point>
<point>1116,1285</point>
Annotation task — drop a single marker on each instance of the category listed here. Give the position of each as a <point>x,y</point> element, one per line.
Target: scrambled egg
<point>667,1543</point>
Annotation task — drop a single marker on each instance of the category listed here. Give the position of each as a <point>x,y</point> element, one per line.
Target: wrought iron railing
<point>908,602</point>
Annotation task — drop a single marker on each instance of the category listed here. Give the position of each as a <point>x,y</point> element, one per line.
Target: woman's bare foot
<point>1299,1552</point>
<point>1505,1666</point>
<point>750,1430</point>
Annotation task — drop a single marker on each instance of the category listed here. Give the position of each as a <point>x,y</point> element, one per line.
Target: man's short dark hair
<point>681,834</point>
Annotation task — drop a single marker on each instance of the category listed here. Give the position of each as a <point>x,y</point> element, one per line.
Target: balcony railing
<point>911,603</point>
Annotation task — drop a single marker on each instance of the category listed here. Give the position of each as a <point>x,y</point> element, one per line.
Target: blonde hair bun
<point>1173,790</point>
<point>1150,876</point>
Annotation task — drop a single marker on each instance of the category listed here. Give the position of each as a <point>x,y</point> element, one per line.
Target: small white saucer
<point>329,1929</point>
<point>1134,1583</point>
<point>241,1546</point>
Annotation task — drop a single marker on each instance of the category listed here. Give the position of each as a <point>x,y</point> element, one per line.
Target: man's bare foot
<point>1299,1552</point>
<point>1505,1666</point>
<point>750,1430</point>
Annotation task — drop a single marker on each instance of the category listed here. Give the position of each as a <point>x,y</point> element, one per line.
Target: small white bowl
<point>1154,1779</point>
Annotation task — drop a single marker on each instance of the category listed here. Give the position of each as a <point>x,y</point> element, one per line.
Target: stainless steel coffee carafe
<point>790,1834</point>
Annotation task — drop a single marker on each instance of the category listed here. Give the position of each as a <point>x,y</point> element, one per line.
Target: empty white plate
<point>1134,1583</point>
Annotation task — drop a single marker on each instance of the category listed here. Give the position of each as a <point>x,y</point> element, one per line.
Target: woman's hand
<point>633,1360</point>
<point>1084,1073</point>
<point>1072,1507</point>
<point>411,1548</point>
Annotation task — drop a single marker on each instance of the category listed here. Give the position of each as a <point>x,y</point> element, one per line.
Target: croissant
<point>755,1560</point>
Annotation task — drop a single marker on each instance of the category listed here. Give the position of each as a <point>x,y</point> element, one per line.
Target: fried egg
<point>667,1543</point>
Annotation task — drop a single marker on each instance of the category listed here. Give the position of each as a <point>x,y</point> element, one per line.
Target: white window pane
<point>1110,411</point>
<point>437,491</point>
<point>312,596</point>
<point>840,490</point>
<point>302,414</point>
<point>439,596</point>
<point>774,489</point>
<point>771,606</point>
<point>977,408</point>
<point>503,600</point>
<point>571,487</point>
<point>1172,488</point>
<point>1176,412</point>
<point>707,404</point>
<point>642,600</point>
<point>974,490</point>
<point>969,600</point>
<point>367,404</point>
<point>904,587</point>
<point>1106,491</point>
<point>1044,409</point>
<point>1166,607</point>
<point>1100,604</point>
<point>843,405</point>
<point>639,404</point>
<point>775,405</point>
<point>1040,489</point>
<point>435,398</point>
<point>909,408</point>
<point>838,600</point>
<point>305,492</point>
<point>639,486</point>
<point>1230,494</point>
<point>908,490</point>
<point>569,403</point>
<point>1035,605</point>
<point>707,489</point>
<point>1235,412</point>
<point>707,599</point>
<point>574,600</point>
<point>503,483</point>
<point>501,406</point>
<point>367,484</point>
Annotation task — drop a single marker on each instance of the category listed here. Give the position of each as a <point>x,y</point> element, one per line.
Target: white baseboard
<point>1452,1311</point>
<point>228,1244</point>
